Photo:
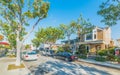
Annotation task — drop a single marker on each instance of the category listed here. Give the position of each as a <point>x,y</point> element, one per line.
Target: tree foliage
<point>17,14</point>
<point>10,34</point>
<point>36,42</point>
<point>110,11</point>
<point>27,46</point>
<point>68,31</point>
<point>47,35</point>
<point>81,27</point>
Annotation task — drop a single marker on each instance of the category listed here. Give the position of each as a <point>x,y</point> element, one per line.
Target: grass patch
<point>13,66</point>
<point>11,56</point>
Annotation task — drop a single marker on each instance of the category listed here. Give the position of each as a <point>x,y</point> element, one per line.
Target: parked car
<point>65,56</point>
<point>37,51</point>
<point>47,52</point>
<point>30,55</point>
<point>50,52</point>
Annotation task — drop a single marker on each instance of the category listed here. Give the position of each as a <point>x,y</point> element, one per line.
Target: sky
<point>64,11</point>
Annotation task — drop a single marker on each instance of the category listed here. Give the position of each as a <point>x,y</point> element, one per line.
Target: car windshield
<point>66,53</point>
<point>23,52</point>
<point>32,53</point>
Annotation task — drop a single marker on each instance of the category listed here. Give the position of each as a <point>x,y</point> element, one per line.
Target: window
<point>94,36</point>
<point>89,36</point>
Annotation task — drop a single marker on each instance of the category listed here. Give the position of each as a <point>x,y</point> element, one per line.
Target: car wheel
<point>66,59</point>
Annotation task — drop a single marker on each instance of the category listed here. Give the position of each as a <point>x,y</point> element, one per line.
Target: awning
<point>4,43</point>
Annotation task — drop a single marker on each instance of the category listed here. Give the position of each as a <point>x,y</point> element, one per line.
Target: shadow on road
<point>65,68</point>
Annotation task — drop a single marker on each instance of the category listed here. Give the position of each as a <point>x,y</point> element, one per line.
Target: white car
<point>30,55</point>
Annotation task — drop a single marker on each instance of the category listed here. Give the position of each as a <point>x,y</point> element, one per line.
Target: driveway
<point>50,66</point>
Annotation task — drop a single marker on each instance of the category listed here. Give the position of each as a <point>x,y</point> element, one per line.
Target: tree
<point>9,33</point>
<point>110,11</point>
<point>82,50</point>
<point>82,27</point>
<point>48,35</point>
<point>68,31</point>
<point>36,42</point>
<point>27,46</point>
<point>53,34</point>
<point>40,35</point>
<point>18,13</point>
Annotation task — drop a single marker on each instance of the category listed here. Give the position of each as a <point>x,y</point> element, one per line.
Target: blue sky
<point>64,11</point>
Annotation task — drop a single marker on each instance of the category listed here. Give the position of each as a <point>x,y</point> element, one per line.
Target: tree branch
<point>20,13</point>
<point>32,29</point>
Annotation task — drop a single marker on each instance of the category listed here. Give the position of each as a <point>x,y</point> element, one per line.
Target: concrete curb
<point>101,63</point>
<point>1,58</point>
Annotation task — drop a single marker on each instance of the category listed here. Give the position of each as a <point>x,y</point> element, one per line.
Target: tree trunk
<point>69,42</point>
<point>18,59</point>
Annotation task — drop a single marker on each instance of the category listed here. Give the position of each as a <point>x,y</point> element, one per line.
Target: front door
<point>88,48</point>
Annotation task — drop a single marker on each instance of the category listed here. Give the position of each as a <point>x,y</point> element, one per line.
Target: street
<point>50,66</point>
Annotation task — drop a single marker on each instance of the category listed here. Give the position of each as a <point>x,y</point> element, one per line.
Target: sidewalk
<point>4,62</point>
<point>106,64</point>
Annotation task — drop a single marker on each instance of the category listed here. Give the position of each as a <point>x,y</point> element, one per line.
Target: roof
<point>71,41</point>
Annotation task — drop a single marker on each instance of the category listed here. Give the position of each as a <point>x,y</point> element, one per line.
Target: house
<point>73,44</point>
<point>50,46</point>
<point>98,39</point>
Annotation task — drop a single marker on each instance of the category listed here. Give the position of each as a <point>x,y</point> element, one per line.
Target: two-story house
<point>98,39</point>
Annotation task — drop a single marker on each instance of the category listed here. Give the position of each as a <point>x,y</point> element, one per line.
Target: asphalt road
<point>50,66</point>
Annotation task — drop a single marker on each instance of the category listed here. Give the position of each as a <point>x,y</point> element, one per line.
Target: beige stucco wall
<point>99,35</point>
<point>102,46</point>
<point>107,35</point>
<point>92,48</point>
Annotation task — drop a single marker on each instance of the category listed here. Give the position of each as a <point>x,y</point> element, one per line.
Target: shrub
<point>82,50</point>
<point>77,52</point>
<point>60,49</point>
<point>82,56</point>
<point>66,47</point>
<point>117,59</point>
<point>100,58</point>
<point>111,51</point>
<point>68,50</point>
<point>110,57</point>
<point>102,52</point>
